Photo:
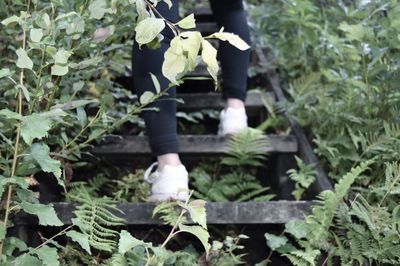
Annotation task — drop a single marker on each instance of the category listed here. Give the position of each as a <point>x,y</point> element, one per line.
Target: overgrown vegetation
<point>340,62</point>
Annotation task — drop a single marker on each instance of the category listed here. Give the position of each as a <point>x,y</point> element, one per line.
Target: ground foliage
<point>340,62</point>
<point>59,60</point>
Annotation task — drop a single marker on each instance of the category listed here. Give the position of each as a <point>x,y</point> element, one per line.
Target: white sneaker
<point>171,183</point>
<point>232,120</point>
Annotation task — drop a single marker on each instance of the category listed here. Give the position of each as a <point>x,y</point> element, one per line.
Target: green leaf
<point>40,153</point>
<point>174,60</point>
<point>191,44</point>
<point>232,38</point>
<point>81,239</point>
<point>353,32</point>
<point>97,9</point>
<point>197,212</point>
<point>297,228</point>
<point>25,260</point>
<point>148,29</point>
<point>16,180</point>
<point>155,82</point>
<point>275,242</point>
<point>10,114</point>
<point>35,126</point>
<point>146,97</point>
<point>47,255</point>
<point>12,19</point>
<point>58,70</point>
<point>127,242</point>
<point>2,233</point>
<point>61,57</point>
<point>200,233</point>
<point>23,59</point>
<point>45,213</point>
<point>36,35</point>
<point>188,22</point>
<point>25,91</point>
<point>73,104</point>
<point>209,56</point>
<point>5,72</point>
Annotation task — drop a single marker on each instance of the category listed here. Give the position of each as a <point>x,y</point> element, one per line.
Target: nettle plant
<point>57,59</point>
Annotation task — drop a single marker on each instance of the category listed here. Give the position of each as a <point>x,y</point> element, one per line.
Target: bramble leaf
<point>40,153</point>
<point>45,213</point>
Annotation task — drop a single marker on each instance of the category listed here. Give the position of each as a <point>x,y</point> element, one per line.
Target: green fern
<point>246,148</point>
<point>303,177</point>
<point>95,220</point>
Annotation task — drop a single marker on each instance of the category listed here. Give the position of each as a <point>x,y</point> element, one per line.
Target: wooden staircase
<point>124,149</point>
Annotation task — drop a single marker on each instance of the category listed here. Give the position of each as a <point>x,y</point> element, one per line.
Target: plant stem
<point>15,158</point>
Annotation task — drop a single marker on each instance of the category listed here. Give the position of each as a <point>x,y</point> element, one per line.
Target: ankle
<point>168,159</point>
<point>234,103</point>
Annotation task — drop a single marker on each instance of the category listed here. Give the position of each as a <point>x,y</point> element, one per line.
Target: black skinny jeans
<point>161,127</point>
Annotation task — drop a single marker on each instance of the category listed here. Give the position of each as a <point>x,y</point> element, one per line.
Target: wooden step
<point>122,148</point>
<point>272,212</point>
<point>214,100</point>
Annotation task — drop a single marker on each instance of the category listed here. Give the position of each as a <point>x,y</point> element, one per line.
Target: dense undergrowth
<point>339,61</point>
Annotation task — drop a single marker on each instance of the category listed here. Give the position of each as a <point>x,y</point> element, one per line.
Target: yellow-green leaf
<point>188,22</point>
<point>232,38</point>
<point>200,233</point>
<point>209,56</point>
<point>36,35</point>
<point>148,29</point>
<point>174,60</point>
<point>23,59</point>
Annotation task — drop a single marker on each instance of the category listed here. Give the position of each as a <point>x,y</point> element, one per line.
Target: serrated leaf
<point>97,9</point>
<point>47,255</point>
<point>40,153</point>
<point>26,259</point>
<point>146,97</point>
<point>20,181</point>
<point>148,29</point>
<point>23,60</point>
<point>174,61</point>
<point>275,242</point>
<point>232,38</point>
<point>188,22</point>
<point>45,213</point>
<point>36,35</point>
<point>209,56</point>
<point>35,126</point>
<point>10,114</point>
<point>197,212</point>
<point>128,242</point>
<point>200,233</point>
<point>81,239</point>
<point>73,104</point>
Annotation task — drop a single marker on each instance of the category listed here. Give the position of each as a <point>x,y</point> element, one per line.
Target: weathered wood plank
<point>273,212</point>
<point>126,147</point>
<point>214,100</point>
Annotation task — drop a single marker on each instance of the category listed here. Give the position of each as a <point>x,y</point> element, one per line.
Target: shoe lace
<point>148,176</point>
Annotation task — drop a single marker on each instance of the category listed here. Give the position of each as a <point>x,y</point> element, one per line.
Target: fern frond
<point>94,218</point>
<point>246,148</point>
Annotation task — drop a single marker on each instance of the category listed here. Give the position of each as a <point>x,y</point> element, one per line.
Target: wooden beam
<point>214,100</point>
<point>126,147</point>
<point>272,212</point>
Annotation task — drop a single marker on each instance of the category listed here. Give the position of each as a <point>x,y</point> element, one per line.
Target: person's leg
<point>161,126</point>
<point>230,14</point>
